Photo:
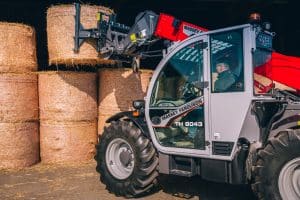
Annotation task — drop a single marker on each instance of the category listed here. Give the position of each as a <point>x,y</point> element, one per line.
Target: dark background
<point>212,14</point>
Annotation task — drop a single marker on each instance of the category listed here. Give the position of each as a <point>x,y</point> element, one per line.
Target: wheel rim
<point>289,180</point>
<point>119,158</point>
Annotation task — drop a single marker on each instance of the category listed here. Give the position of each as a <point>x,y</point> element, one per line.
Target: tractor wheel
<point>126,160</point>
<point>277,170</point>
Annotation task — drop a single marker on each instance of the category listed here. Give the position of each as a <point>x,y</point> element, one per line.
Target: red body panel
<point>283,69</point>
<point>171,29</point>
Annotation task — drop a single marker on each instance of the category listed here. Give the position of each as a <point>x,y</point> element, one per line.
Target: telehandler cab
<point>238,133</point>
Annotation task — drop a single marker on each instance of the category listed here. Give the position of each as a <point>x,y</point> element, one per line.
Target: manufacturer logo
<point>188,30</point>
<point>169,117</point>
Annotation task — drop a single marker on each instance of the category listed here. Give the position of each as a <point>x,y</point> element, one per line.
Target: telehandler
<point>205,114</point>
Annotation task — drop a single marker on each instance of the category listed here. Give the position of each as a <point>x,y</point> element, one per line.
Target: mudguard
<point>140,122</point>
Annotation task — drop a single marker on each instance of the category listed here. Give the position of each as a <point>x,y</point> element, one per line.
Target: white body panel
<point>224,112</point>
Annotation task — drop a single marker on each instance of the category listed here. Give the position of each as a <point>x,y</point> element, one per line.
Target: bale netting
<point>61,31</point>
<point>19,145</point>
<point>67,141</point>
<point>18,97</point>
<point>117,89</point>
<point>68,96</point>
<point>18,48</point>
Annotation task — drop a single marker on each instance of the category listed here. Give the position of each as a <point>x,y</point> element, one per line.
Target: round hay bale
<point>61,31</point>
<point>118,88</point>
<point>18,48</point>
<point>18,97</point>
<point>102,121</point>
<point>19,145</point>
<point>67,141</point>
<point>68,96</point>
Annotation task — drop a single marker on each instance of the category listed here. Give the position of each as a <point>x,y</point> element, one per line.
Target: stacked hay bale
<point>117,89</point>
<point>64,111</point>
<point>61,30</point>
<point>19,138</point>
<point>68,100</point>
<point>68,116</point>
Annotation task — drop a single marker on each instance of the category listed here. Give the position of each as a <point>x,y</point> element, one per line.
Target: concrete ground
<point>81,182</point>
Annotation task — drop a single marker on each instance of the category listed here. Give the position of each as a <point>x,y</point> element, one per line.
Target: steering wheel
<point>189,90</point>
<point>166,103</point>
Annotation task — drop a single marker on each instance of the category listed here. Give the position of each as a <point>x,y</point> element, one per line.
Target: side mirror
<point>138,104</point>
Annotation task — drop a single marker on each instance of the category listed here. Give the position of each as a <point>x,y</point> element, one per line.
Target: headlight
<point>138,104</point>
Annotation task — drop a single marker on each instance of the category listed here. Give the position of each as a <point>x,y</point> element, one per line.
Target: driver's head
<point>221,67</point>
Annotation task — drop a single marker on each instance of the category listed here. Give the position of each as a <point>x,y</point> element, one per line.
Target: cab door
<point>177,104</point>
<point>231,86</point>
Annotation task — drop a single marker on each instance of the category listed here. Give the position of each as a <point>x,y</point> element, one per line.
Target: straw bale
<point>67,141</point>
<point>68,96</point>
<point>61,31</point>
<point>118,88</point>
<point>18,48</point>
<point>19,145</point>
<point>18,97</point>
<point>102,121</point>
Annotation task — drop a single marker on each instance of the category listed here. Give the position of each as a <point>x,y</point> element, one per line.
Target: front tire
<point>277,170</point>
<point>126,160</point>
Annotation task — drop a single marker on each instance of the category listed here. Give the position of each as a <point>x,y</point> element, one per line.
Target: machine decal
<point>189,124</point>
<point>168,118</point>
<point>188,30</point>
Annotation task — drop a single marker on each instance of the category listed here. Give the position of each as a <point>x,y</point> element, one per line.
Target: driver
<point>225,78</point>
<point>190,85</point>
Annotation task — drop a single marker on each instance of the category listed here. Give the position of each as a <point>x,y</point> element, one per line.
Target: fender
<point>266,114</point>
<point>289,120</point>
<point>140,122</point>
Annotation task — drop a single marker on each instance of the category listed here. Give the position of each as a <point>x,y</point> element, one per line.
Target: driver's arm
<point>222,85</point>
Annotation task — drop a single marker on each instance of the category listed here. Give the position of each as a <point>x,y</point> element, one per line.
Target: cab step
<point>178,172</point>
<point>183,166</point>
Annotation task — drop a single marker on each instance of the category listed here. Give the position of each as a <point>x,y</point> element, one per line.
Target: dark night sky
<point>212,14</point>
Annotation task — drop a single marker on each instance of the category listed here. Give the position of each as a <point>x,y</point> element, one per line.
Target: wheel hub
<point>289,180</point>
<point>125,157</point>
<point>119,158</point>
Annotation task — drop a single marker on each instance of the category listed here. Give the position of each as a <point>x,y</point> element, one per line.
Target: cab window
<point>178,82</point>
<point>262,84</point>
<point>227,67</point>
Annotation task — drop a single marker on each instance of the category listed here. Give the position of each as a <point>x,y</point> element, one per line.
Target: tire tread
<point>144,176</point>
<point>282,142</point>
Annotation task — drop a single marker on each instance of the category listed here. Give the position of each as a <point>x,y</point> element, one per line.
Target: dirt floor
<point>81,182</point>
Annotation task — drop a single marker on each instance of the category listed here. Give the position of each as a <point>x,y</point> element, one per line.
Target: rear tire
<point>140,175</point>
<point>277,169</point>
